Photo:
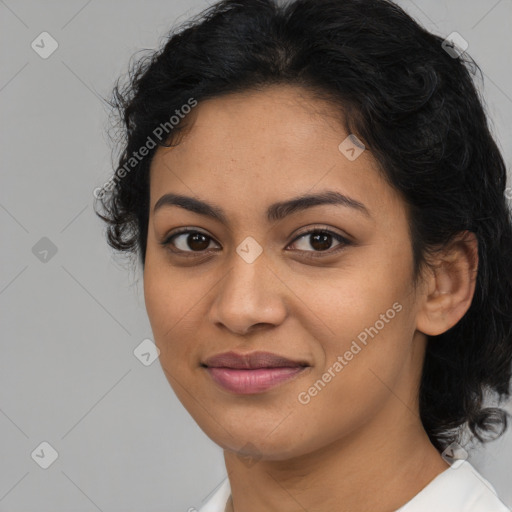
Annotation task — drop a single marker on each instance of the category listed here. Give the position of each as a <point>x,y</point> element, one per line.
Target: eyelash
<point>343,243</point>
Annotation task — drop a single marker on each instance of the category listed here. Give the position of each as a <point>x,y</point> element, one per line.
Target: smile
<point>256,380</point>
<point>253,372</point>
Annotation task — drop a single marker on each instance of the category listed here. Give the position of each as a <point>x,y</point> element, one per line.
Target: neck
<point>379,467</point>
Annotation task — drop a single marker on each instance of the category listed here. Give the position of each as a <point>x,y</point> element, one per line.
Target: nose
<point>249,297</point>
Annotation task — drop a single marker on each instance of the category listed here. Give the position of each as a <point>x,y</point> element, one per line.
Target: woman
<point>319,210</point>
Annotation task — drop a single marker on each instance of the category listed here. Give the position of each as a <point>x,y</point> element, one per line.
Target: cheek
<point>347,305</point>
<point>170,311</point>
<point>354,383</point>
<point>363,339</point>
<point>364,335</point>
<point>169,304</point>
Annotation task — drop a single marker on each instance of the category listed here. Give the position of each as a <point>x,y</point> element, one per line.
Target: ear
<point>449,285</point>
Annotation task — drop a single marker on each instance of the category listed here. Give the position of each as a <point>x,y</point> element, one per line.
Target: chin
<point>257,444</point>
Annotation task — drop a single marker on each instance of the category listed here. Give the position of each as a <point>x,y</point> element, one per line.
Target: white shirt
<point>460,488</point>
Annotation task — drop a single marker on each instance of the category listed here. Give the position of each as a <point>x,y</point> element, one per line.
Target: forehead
<point>273,122</point>
<point>275,143</point>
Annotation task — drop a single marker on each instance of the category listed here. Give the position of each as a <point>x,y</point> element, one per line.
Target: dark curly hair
<point>415,107</point>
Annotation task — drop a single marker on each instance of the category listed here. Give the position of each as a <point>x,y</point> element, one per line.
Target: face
<point>328,287</point>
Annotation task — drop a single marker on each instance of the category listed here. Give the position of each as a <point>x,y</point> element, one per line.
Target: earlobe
<point>449,286</point>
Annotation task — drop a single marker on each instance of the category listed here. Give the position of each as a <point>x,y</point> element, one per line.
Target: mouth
<point>252,373</point>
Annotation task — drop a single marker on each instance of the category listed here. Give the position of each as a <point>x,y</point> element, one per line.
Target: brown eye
<point>188,241</point>
<point>197,241</point>
<point>319,240</point>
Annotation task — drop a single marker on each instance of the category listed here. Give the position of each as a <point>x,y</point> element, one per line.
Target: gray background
<point>69,325</point>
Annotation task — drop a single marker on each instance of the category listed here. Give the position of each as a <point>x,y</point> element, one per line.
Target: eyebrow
<point>275,212</point>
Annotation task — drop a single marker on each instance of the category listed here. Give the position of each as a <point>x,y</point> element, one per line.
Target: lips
<point>251,373</point>
<point>251,361</point>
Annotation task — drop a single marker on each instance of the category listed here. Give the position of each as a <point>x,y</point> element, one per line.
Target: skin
<point>358,444</point>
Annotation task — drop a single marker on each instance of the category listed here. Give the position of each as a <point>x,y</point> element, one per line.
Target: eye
<point>187,241</point>
<point>320,240</point>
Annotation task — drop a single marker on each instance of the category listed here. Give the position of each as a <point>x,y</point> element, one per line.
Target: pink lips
<point>252,373</point>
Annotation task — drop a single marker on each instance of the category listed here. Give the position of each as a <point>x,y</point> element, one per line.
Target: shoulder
<point>460,488</point>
